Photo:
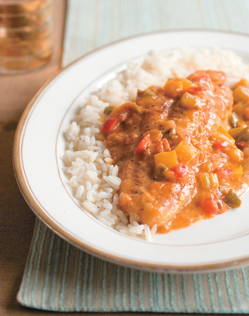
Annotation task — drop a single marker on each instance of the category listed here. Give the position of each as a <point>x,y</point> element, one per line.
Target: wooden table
<point>16,218</point>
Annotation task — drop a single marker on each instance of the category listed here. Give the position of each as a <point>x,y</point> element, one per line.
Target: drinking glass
<point>25,34</point>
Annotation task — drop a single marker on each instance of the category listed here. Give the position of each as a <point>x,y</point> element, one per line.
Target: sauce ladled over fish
<point>181,150</point>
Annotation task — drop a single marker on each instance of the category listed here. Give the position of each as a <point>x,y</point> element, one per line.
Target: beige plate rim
<point>56,228</point>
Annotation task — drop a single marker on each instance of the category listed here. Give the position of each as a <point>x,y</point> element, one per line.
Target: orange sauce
<point>185,218</point>
<point>187,120</point>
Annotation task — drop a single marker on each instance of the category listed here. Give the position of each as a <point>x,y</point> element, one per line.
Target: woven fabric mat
<point>60,277</point>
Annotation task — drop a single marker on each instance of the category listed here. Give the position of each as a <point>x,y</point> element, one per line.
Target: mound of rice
<point>88,164</point>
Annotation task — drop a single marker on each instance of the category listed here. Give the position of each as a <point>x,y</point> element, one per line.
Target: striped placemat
<point>58,276</point>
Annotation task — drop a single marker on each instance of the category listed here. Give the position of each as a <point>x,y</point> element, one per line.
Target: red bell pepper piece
<point>223,173</point>
<point>143,144</point>
<point>222,145</point>
<point>210,207</point>
<point>180,170</point>
<point>110,125</point>
<point>162,145</point>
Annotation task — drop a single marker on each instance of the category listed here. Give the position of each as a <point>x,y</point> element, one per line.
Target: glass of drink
<point>25,34</point>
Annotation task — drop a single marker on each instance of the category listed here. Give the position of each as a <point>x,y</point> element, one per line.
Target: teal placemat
<point>60,277</point>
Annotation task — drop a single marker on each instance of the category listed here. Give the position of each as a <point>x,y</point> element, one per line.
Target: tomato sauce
<point>182,150</point>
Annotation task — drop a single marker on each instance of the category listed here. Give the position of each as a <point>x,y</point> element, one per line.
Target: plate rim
<point>64,234</point>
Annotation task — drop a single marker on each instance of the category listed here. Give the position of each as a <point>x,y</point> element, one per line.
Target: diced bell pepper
<point>142,145</point>
<point>168,159</point>
<point>222,130</point>
<point>110,125</point>
<point>159,172</point>
<point>214,182</point>
<point>148,93</point>
<point>244,137</point>
<point>242,82</point>
<point>204,179</point>
<point>241,94</point>
<point>233,199</point>
<point>186,152</point>
<point>176,87</point>
<point>108,110</point>
<point>235,154</point>
<point>209,180</point>
<point>239,107</point>
<point>189,101</point>
<point>235,132</point>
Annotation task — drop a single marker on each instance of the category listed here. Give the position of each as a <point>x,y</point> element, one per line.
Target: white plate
<point>215,244</point>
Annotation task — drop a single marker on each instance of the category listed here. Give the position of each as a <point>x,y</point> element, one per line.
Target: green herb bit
<point>108,110</point>
<point>233,199</point>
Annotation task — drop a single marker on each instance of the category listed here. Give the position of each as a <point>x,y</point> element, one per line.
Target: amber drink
<point>25,34</point>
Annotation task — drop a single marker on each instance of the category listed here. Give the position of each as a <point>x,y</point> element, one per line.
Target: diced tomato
<point>210,207</point>
<point>110,125</point>
<point>162,145</point>
<point>222,145</point>
<point>180,170</point>
<point>196,90</point>
<point>223,173</point>
<point>143,144</point>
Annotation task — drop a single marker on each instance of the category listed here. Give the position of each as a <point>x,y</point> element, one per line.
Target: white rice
<point>92,177</point>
